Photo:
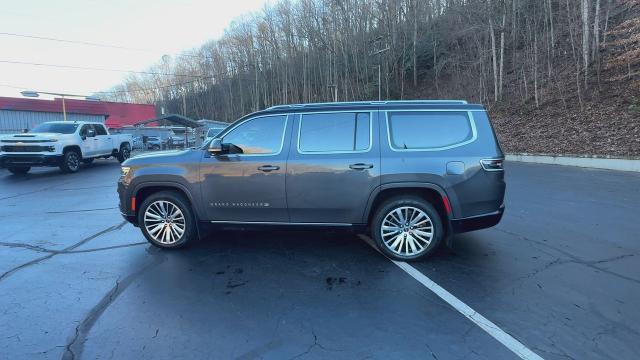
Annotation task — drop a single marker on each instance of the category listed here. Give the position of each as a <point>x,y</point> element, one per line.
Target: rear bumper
<point>8,160</point>
<point>477,222</point>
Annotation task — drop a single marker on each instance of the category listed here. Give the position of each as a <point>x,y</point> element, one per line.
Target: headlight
<point>124,170</point>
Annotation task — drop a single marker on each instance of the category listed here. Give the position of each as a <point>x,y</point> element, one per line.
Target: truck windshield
<point>57,128</point>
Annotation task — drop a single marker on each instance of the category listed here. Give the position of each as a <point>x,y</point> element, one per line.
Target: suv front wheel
<point>166,220</point>
<point>407,228</point>
<point>71,161</point>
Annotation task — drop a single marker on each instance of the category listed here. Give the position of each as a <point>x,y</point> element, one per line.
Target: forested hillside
<point>558,76</point>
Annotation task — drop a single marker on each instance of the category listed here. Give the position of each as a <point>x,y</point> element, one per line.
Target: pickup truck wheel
<point>124,153</point>
<point>88,161</point>
<point>71,161</point>
<point>407,228</point>
<point>167,221</point>
<point>19,170</point>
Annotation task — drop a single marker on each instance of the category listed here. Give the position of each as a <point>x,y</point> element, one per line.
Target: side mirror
<point>215,147</point>
<point>91,133</point>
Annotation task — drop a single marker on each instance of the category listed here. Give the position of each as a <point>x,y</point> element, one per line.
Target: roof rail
<point>348,103</point>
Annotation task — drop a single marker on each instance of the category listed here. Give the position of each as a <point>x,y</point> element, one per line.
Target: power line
<point>151,88</point>
<point>223,75</point>
<point>95,68</point>
<point>88,43</point>
<point>122,91</point>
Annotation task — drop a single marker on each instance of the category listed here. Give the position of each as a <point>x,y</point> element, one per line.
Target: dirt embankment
<point>603,121</point>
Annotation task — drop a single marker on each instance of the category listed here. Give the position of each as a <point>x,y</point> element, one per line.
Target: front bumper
<point>8,160</point>
<point>477,222</point>
<point>124,205</point>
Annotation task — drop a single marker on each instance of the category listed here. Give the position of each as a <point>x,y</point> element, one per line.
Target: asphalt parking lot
<point>560,273</point>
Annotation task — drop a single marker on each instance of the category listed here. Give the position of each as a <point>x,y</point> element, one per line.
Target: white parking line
<point>492,329</point>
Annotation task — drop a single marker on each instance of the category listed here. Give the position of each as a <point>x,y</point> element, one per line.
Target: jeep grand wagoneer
<point>409,172</point>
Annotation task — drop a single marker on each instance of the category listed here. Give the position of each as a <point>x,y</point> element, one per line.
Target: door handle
<point>360,166</point>
<point>267,168</point>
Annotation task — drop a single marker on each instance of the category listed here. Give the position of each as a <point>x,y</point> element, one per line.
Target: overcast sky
<point>162,26</point>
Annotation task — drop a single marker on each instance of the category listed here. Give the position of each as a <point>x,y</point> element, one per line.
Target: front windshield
<point>57,128</point>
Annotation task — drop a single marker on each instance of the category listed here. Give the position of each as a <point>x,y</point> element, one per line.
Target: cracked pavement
<point>560,273</point>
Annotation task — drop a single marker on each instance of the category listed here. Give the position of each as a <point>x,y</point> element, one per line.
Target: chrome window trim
<point>472,123</point>
<point>284,132</point>
<point>302,152</point>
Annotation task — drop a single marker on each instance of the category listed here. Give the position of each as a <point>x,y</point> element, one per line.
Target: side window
<point>340,132</point>
<point>84,129</point>
<point>428,130</point>
<point>100,130</point>
<point>262,135</point>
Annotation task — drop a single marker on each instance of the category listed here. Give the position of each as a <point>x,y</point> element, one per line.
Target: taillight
<point>492,164</point>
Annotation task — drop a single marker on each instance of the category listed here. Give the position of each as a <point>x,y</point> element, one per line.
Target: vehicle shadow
<point>55,172</point>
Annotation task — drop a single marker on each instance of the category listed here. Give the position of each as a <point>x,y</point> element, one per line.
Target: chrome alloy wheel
<point>126,153</point>
<point>73,161</point>
<point>164,222</point>
<point>407,231</point>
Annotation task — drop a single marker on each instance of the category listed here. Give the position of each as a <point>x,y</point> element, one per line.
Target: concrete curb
<point>588,162</point>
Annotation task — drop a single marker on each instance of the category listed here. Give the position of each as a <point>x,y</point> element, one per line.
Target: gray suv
<point>411,173</point>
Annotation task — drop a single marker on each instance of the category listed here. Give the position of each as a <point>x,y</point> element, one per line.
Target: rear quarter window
<point>416,130</point>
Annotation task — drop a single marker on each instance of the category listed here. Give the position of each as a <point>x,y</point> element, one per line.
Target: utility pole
<point>184,104</point>
<point>64,109</point>
<point>379,53</point>
<point>379,83</point>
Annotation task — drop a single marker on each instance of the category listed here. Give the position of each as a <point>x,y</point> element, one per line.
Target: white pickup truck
<point>62,143</point>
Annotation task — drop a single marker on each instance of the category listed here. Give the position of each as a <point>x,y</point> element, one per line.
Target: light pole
<point>334,91</point>
<point>35,94</point>
<point>374,43</point>
<point>380,52</point>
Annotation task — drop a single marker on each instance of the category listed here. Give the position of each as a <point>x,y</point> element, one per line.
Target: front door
<point>89,144</point>
<point>333,166</point>
<point>246,182</point>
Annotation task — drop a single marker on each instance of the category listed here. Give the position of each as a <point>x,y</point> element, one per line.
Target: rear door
<point>333,166</point>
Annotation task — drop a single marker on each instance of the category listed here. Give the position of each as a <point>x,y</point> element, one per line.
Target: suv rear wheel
<point>407,228</point>
<point>166,220</point>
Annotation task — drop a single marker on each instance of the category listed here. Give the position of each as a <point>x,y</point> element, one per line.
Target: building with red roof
<point>17,114</point>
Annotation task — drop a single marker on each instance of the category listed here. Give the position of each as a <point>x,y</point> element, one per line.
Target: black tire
<point>155,147</point>
<point>71,161</point>
<point>407,202</point>
<point>19,170</point>
<point>190,233</point>
<point>88,161</point>
<point>124,153</point>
